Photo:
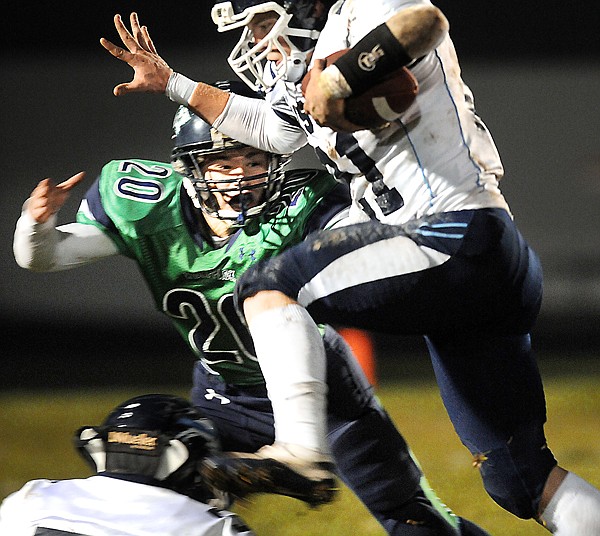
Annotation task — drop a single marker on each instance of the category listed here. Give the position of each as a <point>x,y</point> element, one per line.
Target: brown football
<point>381,104</point>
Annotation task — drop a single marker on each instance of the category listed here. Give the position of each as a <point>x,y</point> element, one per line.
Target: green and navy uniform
<point>142,206</point>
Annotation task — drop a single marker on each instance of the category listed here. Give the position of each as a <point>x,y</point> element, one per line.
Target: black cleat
<point>273,469</point>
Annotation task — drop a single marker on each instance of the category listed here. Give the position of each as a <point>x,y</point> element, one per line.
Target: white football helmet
<point>298,25</point>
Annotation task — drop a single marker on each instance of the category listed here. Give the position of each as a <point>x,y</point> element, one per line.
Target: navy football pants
<point>469,283</point>
<point>370,454</point>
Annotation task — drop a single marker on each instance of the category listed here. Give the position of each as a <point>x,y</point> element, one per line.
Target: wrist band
<point>376,55</point>
<point>180,88</point>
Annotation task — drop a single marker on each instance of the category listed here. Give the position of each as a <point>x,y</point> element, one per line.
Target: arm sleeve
<point>43,247</point>
<point>257,123</point>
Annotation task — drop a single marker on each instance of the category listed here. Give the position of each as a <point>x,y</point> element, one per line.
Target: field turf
<point>36,428</point>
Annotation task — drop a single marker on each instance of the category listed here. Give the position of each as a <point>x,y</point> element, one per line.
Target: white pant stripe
<point>387,258</point>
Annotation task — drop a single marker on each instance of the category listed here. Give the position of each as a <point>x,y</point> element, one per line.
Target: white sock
<point>290,351</point>
<point>574,510</point>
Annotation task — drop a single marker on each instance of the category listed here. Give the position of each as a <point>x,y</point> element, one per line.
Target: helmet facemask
<point>294,27</point>
<point>197,145</point>
<point>247,197</point>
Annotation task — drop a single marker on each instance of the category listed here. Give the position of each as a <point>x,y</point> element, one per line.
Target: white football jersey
<point>101,506</point>
<point>439,155</point>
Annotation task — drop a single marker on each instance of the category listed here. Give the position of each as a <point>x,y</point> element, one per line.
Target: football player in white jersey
<point>145,458</point>
<point>432,248</point>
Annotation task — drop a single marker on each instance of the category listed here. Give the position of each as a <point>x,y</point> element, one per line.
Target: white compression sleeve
<point>42,247</point>
<point>291,354</point>
<point>253,122</point>
<point>574,510</point>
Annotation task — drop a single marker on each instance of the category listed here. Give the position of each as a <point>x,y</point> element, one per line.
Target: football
<point>380,104</point>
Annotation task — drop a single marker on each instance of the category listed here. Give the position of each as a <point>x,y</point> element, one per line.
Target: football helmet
<point>298,24</point>
<point>155,439</point>
<point>194,139</point>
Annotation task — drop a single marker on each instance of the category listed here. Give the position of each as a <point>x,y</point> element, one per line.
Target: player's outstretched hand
<point>151,72</point>
<point>325,111</point>
<point>48,198</point>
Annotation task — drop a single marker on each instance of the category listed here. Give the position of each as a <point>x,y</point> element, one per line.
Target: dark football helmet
<point>193,140</point>
<point>156,439</point>
<point>299,23</point>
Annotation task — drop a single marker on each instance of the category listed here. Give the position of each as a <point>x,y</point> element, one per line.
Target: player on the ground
<point>193,234</point>
<point>145,457</point>
<point>433,250</point>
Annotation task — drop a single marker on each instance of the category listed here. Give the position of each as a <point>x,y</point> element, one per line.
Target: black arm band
<point>376,55</point>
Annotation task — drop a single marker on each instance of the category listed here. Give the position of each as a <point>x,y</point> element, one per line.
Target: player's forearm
<point>418,29</point>
<point>407,35</point>
<point>204,100</point>
<point>42,247</point>
<point>248,120</point>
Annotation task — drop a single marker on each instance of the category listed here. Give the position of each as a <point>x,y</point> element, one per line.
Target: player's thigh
<point>346,275</point>
<point>490,385</point>
<point>243,416</point>
<point>466,270</point>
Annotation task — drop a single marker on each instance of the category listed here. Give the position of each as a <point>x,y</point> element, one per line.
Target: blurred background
<point>536,79</point>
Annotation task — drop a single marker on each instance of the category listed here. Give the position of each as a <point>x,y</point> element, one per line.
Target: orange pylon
<point>362,345</point>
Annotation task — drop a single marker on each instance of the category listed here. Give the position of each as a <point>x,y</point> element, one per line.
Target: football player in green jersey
<point>194,226</point>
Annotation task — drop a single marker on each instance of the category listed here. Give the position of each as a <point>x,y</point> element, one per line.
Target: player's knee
<point>511,496</point>
<point>265,300</point>
<point>257,281</point>
<point>515,474</point>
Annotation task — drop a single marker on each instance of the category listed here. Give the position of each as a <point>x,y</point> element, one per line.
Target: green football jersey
<point>142,206</point>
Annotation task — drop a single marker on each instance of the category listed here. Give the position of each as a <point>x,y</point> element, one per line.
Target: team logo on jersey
<point>219,273</point>
<point>243,252</point>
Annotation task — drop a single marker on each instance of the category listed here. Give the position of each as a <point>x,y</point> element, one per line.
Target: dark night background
<point>535,71</point>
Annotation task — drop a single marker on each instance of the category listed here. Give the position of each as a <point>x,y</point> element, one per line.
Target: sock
<point>290,351</point>
<point>574,510</point>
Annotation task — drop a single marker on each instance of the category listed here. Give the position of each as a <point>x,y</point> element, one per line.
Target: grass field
<point>36,428</point>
